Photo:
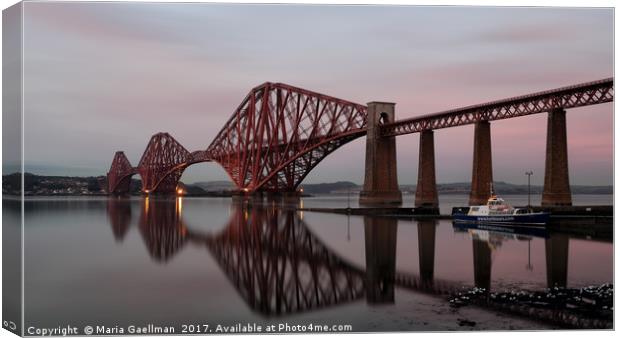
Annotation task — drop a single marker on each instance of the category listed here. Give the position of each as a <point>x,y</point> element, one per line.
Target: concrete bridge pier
<point>238,196</point>
<point>557,188</point>
<point>482,173</point>
<point>380,245</point>
<point>256,197</point>
<point>273,198</point>
<point>380,181</point>
<point>249,197</point>
<point>426,189</point>
<point>284,197</point>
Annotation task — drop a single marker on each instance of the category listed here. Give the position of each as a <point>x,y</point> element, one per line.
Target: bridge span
<point>279,133</point>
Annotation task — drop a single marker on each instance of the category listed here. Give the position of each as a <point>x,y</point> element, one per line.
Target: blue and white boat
<point>497,211</point>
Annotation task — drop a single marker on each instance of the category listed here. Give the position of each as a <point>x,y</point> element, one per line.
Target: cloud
<point>101,77</point>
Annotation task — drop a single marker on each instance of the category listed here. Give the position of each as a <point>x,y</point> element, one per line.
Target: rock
<point>465,322</point>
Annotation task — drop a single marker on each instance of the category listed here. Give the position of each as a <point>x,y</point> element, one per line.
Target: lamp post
<point>348,200</point>
<point>529,174</point>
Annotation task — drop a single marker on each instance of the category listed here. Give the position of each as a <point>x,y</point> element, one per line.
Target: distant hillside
<point>66,185</point>
<point>326,188</point>
<point>504,188</point>
<point>501,188</point>
<point>52,185</point>
<point>215,185</point>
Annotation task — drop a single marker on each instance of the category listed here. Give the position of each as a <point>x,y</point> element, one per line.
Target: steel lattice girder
<point>276,124</point>
<point>279,133</point>
<point>162,164</point>
<point>580,95</point>
<point>120,173</point>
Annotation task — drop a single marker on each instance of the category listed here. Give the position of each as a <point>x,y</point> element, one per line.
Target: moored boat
<point>497,211</point>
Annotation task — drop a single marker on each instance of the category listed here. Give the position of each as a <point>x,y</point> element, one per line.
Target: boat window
<point>474,208</point>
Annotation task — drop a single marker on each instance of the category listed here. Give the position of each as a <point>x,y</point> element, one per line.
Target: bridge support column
<point>288,198</point>
<point>482,173</point>
<point>250,197</point>
<point>381,181</point>
<point>556,254</point>
<point>291,198</point>
<point>123,188</point>
<point>380,245</point>
<point>257,197</point>
<point>426,190</point>
<point>557,188</point>
<point>238,196</point>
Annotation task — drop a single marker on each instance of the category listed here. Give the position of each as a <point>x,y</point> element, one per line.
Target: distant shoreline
<point>38,185</point>
<point>18,197</point>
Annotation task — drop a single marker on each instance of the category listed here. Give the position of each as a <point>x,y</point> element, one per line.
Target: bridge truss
<point>279,133</point>
<point>580,95</point>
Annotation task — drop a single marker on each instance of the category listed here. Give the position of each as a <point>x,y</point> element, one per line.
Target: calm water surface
<point>183,260</point>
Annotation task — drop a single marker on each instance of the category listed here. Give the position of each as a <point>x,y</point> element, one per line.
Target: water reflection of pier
<point>279,266</point>
<point>485,242</point>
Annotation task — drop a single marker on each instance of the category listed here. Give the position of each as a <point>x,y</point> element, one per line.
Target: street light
<point>529,174</point>
<point>349,199</point>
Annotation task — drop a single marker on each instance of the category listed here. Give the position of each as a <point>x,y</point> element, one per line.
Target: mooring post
<point>426,190</point>
<point>381,181</point>
<point>482,172</point>
<point>557,187</point>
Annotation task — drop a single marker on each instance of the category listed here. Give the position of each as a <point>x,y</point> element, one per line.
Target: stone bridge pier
<point>426,189</point>
<point>557,188</point>
<point>380,181</point>
<point>284,198</point>
<point>482,171</point>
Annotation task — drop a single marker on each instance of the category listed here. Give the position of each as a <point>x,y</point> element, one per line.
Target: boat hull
<point>538,219</point>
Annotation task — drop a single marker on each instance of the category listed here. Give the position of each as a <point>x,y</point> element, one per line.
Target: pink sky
<point>102,77</point>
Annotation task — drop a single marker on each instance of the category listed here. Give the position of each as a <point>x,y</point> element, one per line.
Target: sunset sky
<point>102,77</point>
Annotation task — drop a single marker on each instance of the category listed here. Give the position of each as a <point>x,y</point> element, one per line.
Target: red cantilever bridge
<point>279,133</point>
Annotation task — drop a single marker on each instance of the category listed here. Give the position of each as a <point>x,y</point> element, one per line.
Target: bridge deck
<point>579,95</point>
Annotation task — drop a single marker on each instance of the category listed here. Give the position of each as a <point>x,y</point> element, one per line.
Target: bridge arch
<point>279,133</point>
<point>120,174</point>
<point>274,138</point>
<point>293,171</point>
<point>162,164</point>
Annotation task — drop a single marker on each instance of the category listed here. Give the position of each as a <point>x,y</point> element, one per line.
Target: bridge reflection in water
<point>279,266</point>
<point>485,243</point>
